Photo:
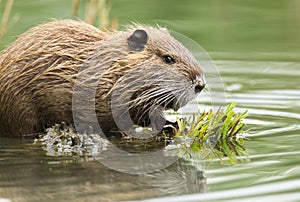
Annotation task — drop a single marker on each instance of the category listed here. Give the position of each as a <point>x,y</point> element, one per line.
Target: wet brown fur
<point>39,70</point>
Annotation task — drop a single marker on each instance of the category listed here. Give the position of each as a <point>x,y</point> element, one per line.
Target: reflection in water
<point>27,174</point>
<point>177,179</point>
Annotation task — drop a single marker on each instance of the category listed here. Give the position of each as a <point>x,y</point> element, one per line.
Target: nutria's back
<point>39,70</point>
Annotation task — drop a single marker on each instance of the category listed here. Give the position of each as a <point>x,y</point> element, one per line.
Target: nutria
<point>39,70</point>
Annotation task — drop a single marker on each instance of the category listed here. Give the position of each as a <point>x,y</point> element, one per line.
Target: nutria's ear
<point>138,40</point>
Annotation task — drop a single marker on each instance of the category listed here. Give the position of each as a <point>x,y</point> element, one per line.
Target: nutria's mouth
<point>153,101</point>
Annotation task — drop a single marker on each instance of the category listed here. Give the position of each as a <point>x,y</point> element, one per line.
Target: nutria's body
<point>38,72</point>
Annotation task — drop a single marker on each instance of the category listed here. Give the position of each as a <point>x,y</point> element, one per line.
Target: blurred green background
<point>239,26</point>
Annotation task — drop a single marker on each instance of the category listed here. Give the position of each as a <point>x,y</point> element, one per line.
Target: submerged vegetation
<point>208,135</point>
<point>62,140</point>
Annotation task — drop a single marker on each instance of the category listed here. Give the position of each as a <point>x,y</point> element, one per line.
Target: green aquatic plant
<point>212,134</point>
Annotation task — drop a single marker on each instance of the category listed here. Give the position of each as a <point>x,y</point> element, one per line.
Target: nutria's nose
<point>199,85</point>
<point>199,88</point>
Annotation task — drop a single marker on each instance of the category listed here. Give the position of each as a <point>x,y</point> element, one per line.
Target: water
<point>255,46</point>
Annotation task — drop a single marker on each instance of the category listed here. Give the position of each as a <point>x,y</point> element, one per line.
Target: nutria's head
<point>162,50</point>
<point>142,70</point>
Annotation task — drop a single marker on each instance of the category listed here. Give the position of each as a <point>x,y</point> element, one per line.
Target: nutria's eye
<point>168,59</point>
